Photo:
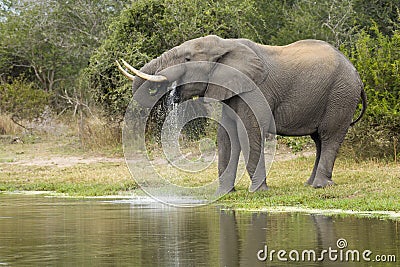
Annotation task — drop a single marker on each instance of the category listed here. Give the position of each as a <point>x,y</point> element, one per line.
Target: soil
<point>64,161</point>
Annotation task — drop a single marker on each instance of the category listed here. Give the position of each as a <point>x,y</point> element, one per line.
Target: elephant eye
<point>187,59</point>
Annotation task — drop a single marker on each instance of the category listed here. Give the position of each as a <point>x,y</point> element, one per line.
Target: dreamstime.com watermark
<point>338,254</point>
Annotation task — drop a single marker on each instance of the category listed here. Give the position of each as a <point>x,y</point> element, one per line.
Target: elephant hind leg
<point>341,105</point>
<point>317,140</point>
<point>323,175</point>
<point>329,150</point>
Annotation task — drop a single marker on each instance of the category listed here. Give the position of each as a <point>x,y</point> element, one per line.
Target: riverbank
<point>367,187</point>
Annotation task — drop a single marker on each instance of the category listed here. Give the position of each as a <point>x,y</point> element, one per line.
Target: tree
<point>383,13</point>
<point>267,18</point>
<point>51,41</point>
<point>331,21</point>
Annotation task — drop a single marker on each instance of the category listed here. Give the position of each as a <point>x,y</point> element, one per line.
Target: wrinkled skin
<point>311,89</point>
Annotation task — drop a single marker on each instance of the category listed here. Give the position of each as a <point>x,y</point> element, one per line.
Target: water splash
<point>172,111</point>
<point>171,128</point>
<point>173,97</point>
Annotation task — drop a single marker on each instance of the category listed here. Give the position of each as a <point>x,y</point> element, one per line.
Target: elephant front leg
<point>228,155</point>
<point>252,144</point>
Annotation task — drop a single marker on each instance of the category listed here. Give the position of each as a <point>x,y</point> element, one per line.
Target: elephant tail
<point>364,107</point>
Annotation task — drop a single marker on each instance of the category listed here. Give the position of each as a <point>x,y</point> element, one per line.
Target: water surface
<point>37,230</point>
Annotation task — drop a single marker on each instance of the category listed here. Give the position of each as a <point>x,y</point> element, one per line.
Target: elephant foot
<point>262,187</point>
<point>322,182</point>
<point>309,182</point>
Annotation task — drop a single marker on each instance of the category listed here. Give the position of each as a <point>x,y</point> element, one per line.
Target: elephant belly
<point>292,120</point>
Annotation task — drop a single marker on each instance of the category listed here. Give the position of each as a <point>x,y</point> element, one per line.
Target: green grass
<point>80,180</point>
<point>362,186</point>
<point>94,179</point>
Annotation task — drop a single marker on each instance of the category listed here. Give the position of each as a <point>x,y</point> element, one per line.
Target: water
<point>37,231</point>
<point>171,130</point>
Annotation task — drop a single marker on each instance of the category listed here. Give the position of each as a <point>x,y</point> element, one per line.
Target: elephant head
<point>193,65</point>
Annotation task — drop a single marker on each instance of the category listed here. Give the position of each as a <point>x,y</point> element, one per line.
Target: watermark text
<point>338,254</point>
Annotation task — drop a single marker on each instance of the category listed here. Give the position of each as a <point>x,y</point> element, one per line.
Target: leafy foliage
<point>378,61</point>
<point>22,100</point>
<point>328,20</point>
<point>381,13</point>
<point>51,41</point>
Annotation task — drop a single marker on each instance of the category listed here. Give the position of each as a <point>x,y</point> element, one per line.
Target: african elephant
<point>311,89</point>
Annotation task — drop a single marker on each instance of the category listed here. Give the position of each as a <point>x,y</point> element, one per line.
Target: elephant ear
<point>226,82</point>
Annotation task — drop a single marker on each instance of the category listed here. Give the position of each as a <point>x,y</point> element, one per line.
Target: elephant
<point>311,88</point>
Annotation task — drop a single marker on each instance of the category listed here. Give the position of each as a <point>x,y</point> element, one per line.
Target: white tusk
<point>153,78</point>
<point>130,76</point>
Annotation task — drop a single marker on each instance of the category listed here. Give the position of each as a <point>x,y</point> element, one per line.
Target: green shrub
<point>22,100</point>
<point>377,59</point>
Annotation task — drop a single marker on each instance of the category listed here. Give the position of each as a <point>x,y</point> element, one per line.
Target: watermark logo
<point>341,243</point>
<point>340,253</point>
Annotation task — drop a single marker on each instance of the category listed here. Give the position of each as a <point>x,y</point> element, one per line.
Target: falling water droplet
<point>171,125</point>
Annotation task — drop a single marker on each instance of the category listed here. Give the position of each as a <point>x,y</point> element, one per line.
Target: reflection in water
<point>53,231</point>
<point>235,251</point>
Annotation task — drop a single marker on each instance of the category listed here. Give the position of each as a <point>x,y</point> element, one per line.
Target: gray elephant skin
<point>310,86</point>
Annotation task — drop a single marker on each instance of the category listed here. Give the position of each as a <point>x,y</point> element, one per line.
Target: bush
<point>22,100</point>
<point>377,58</point>
<point>328,20</point>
